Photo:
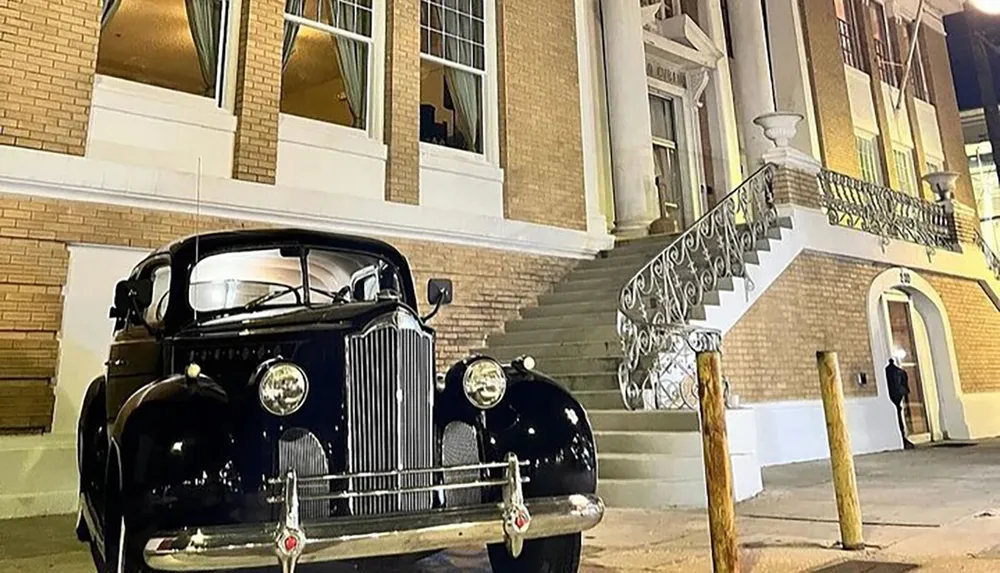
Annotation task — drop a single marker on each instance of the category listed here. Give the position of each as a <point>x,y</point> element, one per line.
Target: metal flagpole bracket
<point>516,519</point>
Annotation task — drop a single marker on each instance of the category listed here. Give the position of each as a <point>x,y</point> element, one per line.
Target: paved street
<point>936,509</point>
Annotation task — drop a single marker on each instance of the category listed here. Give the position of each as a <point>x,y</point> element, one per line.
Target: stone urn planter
<point>942,183</point>
<point>780,127</point>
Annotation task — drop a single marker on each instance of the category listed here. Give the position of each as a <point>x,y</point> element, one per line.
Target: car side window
<point>155,312</point>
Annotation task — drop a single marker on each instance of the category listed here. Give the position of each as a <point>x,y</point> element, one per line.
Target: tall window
<point>906,171</point>
<point>886,44</point>
<point>174,44</point>
<point>326,60</point>
<point>919,77</point>
<point>849,24</point>
<point>870,159</point>
<point>452,73</point>
<point>668,172</point>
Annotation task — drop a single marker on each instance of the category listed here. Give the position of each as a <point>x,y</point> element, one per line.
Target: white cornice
<point>57,176</point>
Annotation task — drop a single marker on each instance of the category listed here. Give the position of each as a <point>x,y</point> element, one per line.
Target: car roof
<point>237,239</point>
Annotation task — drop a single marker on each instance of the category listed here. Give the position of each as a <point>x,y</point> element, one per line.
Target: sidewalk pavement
<point>934,509</point>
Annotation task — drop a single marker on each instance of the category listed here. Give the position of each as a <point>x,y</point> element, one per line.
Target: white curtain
<point>465,94</point>
<point>296,8</point>
<point>353,57</point>
<point>108,9</point>
<point>205,21</point>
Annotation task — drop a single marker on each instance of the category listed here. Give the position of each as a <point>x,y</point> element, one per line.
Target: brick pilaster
<point>829,85</point>
<point>258,90</point>
<point>935,48</point>
<point>402,101</point>
<point>48,53</point>
<point>796,187</point>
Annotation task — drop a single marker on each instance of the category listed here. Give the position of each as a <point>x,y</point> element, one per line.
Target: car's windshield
<point>268,278</point>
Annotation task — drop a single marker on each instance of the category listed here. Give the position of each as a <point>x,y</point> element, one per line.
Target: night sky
<point>962,67</point>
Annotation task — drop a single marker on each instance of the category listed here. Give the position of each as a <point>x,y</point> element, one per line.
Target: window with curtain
<point>921,90</point>
<point>906,171</point>
<point>849,26</point>
<point>452,73</point>
<point>665,156</point>
<point>885,43</point>
<point>326,60</point>
<point>869,159</point>
<point>174,44</point>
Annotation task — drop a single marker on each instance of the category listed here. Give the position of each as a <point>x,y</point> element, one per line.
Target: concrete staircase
<point>646,459</point>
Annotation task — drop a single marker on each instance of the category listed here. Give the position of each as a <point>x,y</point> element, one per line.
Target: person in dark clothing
<point>899,390</point>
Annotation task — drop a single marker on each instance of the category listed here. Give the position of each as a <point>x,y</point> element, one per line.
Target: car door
<point>135,358</point>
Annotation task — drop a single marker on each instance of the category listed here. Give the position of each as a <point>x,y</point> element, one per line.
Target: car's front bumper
<point>228,548</point>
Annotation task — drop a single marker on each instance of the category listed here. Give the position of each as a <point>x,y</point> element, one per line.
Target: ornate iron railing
<point>992,260</point>
<point>655,305</point>
<point>889,214</point>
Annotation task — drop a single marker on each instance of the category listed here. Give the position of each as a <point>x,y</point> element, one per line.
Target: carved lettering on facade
<point>664,74</point>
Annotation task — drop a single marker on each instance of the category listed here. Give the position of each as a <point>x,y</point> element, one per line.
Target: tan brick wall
<point>818,303</point>
<point>402,101</point>
<point>935,48</point>
<point>258,90</point>
<point>796,187</point>
<point>490,286</point>
<point>975,328</point>
<point>540,131</point>
<point>829,85</point>
<point>48,50</point>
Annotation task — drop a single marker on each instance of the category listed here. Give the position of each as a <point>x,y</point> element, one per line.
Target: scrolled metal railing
<point>992,260</point>
<point>655,305</point>
<point>886,213</point>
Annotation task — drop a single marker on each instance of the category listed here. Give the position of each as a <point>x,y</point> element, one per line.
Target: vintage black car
<point>271,401</point>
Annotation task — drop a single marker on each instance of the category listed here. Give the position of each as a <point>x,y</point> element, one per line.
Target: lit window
<point>174,44</point>
<point>326,60</point>
<point>452,73</point>
<point>905,170</point>
<point>886,45</point>
<point>850,38</point>
<point>870,159</point>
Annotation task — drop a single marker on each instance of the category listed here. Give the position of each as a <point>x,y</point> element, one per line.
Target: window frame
<point>885,44</point>
<point>852,48</point>
<point>374,79</point>
<point>907,172</point>
<point>490,89</point>
<point>869,158</point>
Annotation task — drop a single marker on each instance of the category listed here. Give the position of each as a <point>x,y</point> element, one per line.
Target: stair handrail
<point>992,260</point>
<point>658,341</point>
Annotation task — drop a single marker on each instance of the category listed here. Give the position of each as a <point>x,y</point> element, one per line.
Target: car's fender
<point>171,453</point>
<point>539,421</point>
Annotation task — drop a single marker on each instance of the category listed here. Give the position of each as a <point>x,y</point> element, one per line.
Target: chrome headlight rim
<point>272,368</point>
<point>496,395</point>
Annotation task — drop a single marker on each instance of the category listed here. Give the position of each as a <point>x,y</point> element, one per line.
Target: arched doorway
<point>908,322</point>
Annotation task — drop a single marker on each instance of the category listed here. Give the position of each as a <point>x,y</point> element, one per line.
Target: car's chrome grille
<point>299,450</point>
<point>389,393</point>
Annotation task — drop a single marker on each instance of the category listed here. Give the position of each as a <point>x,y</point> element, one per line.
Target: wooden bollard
<point>845,483</point>
<point>718,468</point>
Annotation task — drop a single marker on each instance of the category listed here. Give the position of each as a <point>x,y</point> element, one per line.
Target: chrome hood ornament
<point>290,540</point>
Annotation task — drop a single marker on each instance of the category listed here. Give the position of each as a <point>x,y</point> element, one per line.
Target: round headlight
<point>283,388</point>
<point>484,383</point>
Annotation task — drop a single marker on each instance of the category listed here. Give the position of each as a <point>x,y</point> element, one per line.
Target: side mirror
<point>131,294</point>
<point>439,292</point>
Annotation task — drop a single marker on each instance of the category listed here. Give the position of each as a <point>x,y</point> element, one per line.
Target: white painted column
<point>751,76</point>
<point>792,84</point>
<point>724,138</point>
<point>628,108</point>
<point>588,41</point>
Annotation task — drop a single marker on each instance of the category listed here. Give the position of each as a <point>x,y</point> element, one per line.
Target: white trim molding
<point>57,176</point>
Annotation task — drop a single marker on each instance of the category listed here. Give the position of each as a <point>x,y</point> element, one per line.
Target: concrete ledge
<point>38,475</point>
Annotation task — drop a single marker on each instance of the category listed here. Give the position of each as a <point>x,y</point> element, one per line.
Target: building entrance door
<point>669,183</point>
<point>906,349</point>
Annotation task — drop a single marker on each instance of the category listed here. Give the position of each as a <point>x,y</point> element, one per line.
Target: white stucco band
<point>43,174</point>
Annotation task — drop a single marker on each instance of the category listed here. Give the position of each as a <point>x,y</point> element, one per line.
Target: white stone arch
<point>927,302</point>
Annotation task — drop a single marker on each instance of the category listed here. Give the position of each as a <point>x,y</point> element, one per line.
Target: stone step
<point>650,466</point>
<point>562,297</point>
<point>608,259</point>
<point>645,421</point>
<point>568,321</point>
<point>652,493</point>
<point>589,381</point>
<point>594,334</point>
<point>600,399</point>
<point>556,367</point>
<point>570,349</point>
<point>609,304</point>
<point>613,284</point>
<point>623,272</point>
<point>666,443</point>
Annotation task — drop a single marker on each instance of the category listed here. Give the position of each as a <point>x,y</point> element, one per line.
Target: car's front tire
<point>548,555</point>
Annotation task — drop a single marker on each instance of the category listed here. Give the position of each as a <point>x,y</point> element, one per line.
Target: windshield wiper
<point>253,304</point>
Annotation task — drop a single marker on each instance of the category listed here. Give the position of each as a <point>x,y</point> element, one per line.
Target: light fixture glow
<point>986,6</point>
